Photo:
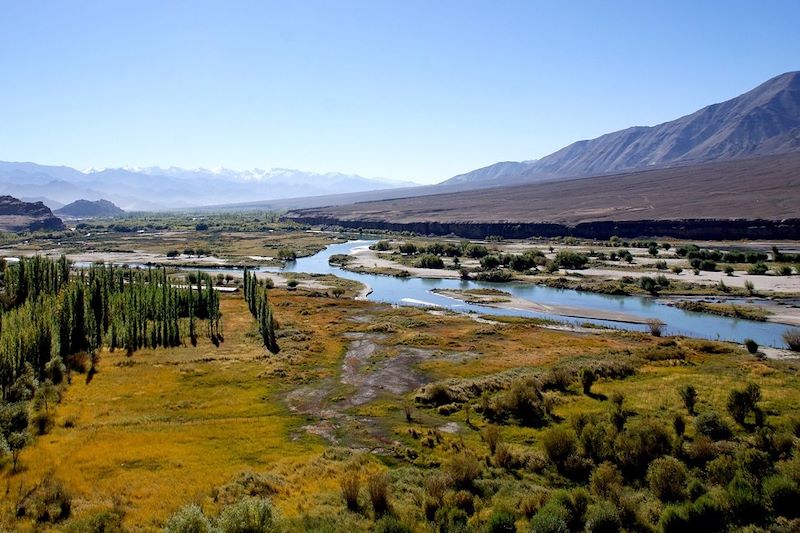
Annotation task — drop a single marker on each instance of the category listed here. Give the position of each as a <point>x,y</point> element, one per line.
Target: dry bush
<point>350,486</point>
<point>792,338</point>
<point>491,436</point>
<point>47,502</point>
<point>656,327</point>
<point>378,489</point>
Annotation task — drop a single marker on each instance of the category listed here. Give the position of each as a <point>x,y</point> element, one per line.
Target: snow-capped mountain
<point>148,188</point>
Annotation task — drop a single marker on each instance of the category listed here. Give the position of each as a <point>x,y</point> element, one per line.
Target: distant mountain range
<point>90,209</point>
<point>763,121</point>
<point>155,188</point>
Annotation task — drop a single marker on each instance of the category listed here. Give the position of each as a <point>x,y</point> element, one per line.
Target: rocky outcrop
<point>630,229</point>
<point>90,209</point>
<point>18,216</point>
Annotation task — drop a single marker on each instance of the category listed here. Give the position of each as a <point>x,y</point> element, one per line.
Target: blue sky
<point>416,90</point>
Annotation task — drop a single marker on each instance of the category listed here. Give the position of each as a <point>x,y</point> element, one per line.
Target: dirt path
<point>368,371</point>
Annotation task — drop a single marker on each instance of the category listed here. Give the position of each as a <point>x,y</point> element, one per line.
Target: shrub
<point>287,254</point>
<point>751,345</point>
<point>721,470</point>
<point>429,261</point>
<point>378,488</point>
<point>667,479</point>
<point>750,287</point>
<point>390,524</point>
<point>712,426</point>
<point>655,327</point>
<point>501,522</point>
<point>249,515</point>
<point>490,262</point>
<point>603,517</point>
<point>648,284</point>
<point>570,259</point>
<point>792,339</point>
<point>744,501</point>
<point>597,441</point>
<point>190,519</point>
<point>451,519</point>
<point>492,437</point>
<point>350,486</point>
<point>708,265</point>
<point>463,469</point>
<point>550,519</point>
<point>173,253</point>
<point>641,441</point>
<point>523,401</point>
<point>559,443</point>
<point>783,496</point>
<point>292,283</point>
<point>105,521</point>
<point>587,380</point>
<point>742,402</point>
<point>49,502</point>
<point>381,246</point>
<point>758,269</point>
<point>606,481</point>
<point>689,396</point>
<point>729,270</point>
<point>679,425</point>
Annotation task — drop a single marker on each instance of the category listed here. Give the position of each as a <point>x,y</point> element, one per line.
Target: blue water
<point>416,291</point>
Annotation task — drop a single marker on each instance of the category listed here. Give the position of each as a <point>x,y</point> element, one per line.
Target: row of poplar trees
<point>255,294</point>
<point>50,313</point>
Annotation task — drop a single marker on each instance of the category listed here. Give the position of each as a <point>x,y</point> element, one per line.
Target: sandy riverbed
<point>512,302</point>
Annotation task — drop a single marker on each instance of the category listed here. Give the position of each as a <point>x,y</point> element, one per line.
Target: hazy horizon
<point>413,92</point>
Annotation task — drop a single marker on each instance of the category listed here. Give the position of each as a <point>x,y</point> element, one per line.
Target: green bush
<point>550,519</point>
<point>559,443</point>
<point>712,426</point>
<point>501,522</point>
<point>639,443</point>
<point>190,519</point>
<point>105,521</point>
<point>606,480</point>
<point>249,515</point>
<point>783,496</point>
<point>603,517</point>
<point>570,259</point>
<point>751,345</point>
<point>721,470</point>
<point>744,501</point>
<point>667,478</point>
<point>587,379</point>
<point>688,395</point>
<point>429,261</point>
<point>390,524</point>
<point>463,469</point>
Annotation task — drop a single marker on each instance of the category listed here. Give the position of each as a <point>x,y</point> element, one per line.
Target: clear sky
<point>417,90</point>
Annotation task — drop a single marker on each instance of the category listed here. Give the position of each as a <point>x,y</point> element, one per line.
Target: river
<point>417,291</point>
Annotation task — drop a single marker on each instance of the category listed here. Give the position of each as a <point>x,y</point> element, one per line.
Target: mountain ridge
<point>762,121</point>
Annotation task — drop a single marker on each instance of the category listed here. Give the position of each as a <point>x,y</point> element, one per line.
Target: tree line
<point>50,314</point>
<point>255,294</point>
